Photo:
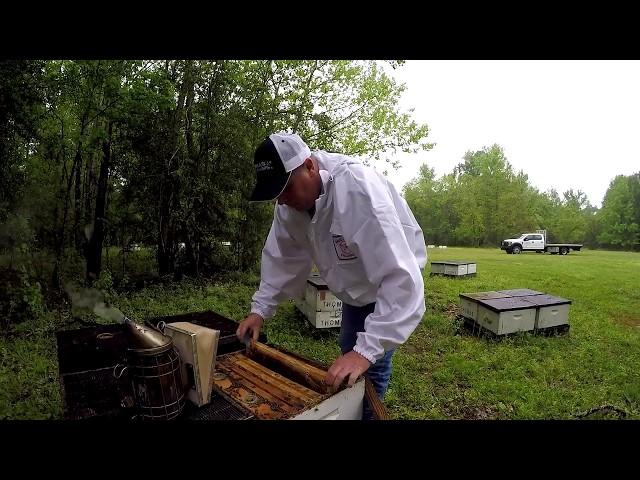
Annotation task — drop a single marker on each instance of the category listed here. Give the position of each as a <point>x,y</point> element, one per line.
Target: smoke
<point>92,299</point>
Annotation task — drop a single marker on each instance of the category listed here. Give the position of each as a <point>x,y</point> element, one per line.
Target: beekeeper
<point>348,220</point>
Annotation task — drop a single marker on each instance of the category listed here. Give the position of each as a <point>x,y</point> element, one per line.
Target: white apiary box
<point>321,307</point>
<point>469,302</point>
<point>343,405</point>
<point>552,311</point>
<point>453,268</point>
<point>506,315</point>
<point>437,268</point>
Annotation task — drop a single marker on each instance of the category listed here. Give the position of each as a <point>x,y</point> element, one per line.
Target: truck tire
<point>516,249</point>
<point>564,250</point>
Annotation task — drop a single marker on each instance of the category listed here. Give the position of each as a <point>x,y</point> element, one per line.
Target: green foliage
<point>20,298</point>
<point>20,107</point>
<point>620,214</point>
<point>29,387</point>
<point>483,201</point>
<point>16,234</point>
<point>114,153</point>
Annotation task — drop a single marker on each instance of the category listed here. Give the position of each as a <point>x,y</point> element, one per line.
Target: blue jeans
<point>380,372</point>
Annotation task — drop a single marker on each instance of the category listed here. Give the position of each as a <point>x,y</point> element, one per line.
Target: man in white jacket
<point>351,222</point>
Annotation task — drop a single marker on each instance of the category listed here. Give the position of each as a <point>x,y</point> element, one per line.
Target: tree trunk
<point>169,190</point>
<point>94,252</point>
<point>78,232</point>
<point>166,236</point>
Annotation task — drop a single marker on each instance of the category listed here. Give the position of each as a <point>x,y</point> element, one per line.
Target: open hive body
<point>271,384</point>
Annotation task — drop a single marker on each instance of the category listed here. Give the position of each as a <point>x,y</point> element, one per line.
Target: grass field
<point>441,372</point>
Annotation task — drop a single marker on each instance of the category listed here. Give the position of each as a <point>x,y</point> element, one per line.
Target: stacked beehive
<point>321,307</point>
<point>504,312</point>
<point>454,268</point>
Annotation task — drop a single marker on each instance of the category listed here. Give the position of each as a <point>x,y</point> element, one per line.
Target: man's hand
<point>351,365</point>
<point>252,324</point>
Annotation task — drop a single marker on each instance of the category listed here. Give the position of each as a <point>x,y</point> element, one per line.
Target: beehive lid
<point>520,292</point>
<point>452,262</point>
<point>227,342</point>
<point>506,304</point>
<point>546,300</point>
<point>483,295</point>
<point>318,282</point>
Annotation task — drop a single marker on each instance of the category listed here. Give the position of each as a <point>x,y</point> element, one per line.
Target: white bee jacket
<point>366,244</point>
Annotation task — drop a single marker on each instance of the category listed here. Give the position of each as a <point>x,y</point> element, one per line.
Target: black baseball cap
<point>274,160</point>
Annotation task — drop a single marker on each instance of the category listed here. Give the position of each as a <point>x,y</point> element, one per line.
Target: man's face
<point>303,188</point>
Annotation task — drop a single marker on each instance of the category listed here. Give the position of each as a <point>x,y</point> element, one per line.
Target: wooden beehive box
<point>453,268</point>
<point>271,384</point>
<point>469,302</point>
<point>551,312</point>
<point>503,316</point>
<point>321,307</point>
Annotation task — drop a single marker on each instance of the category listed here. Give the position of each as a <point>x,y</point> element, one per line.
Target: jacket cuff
<point>260,312</point>
<point>365,354</point>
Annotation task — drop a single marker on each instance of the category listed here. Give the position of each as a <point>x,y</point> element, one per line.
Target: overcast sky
<point>567,124</point>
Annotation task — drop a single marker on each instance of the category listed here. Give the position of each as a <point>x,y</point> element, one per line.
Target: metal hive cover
<point>483,295</point>
<point>506,304</point>
<point>452,262</point>
<point>546,300</point>
<point>520,292</point>
<point>318,282</point>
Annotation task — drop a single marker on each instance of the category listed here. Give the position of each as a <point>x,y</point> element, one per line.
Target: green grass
<point>440,372</point>
<point>29,386</point>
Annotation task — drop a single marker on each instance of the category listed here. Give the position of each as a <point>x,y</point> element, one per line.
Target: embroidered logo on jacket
<point>342,249</point>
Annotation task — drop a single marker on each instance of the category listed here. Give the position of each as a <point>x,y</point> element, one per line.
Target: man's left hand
<point>350,365</point>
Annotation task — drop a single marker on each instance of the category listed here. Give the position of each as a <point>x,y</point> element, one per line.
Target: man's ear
<point>308,163</point>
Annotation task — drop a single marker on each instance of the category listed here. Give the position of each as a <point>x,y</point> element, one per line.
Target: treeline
<point>483,201</point>
<point>100,156</point>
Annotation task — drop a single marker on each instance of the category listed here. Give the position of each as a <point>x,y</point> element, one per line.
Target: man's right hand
<point>252,325</point>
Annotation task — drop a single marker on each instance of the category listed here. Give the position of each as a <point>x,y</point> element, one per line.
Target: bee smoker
<point>154,367</point>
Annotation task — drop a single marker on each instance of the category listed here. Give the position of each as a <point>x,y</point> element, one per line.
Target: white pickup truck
<point>537,242</point>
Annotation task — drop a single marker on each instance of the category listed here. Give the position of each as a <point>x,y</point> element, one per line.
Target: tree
<point>21,106</point>
<point>618,217</point>
<point>115,152</point>
<point>426,199</point>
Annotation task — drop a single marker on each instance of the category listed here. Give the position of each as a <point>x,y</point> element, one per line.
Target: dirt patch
<point>412,349</point>
<point>460,411</point>
<point>628,320</point>
<point>453,310</point>
<point>478,413</point>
